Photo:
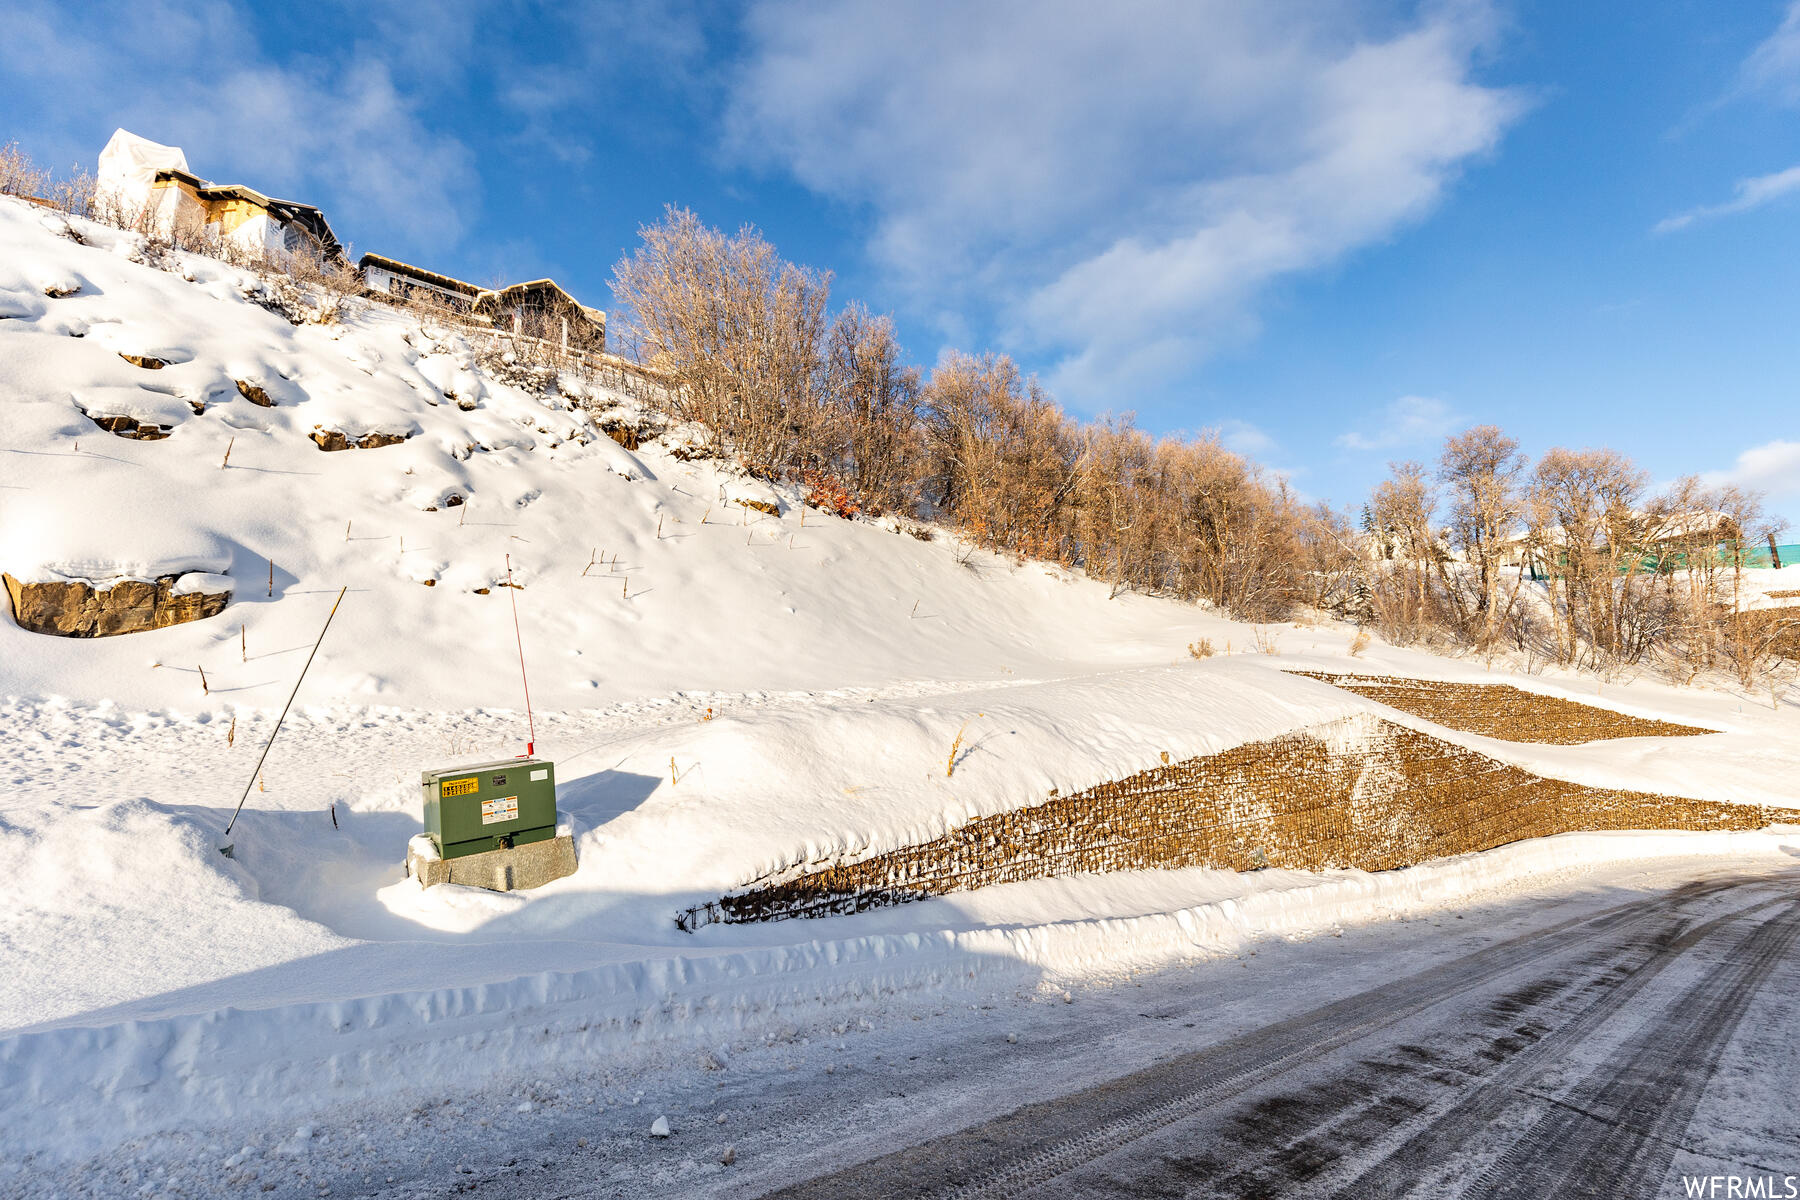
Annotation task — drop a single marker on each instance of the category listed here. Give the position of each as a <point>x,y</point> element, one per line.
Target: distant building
<point>402,281</point>
<point>538,309</point>
<point>149,186</point>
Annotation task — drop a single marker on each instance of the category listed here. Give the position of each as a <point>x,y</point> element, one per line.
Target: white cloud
<point>1120,183</point>
<point>1408,421</point>
<point>1241,437</point>
<point>1773,468</point>
<point>1748,194</point>
<point>195,76</point>
<point>1773,68</point>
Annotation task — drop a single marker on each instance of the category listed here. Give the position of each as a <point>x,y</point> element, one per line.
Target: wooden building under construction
<point>537,309</point>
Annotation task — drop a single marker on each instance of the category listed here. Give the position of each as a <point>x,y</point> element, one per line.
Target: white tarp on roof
<point>129,163</point>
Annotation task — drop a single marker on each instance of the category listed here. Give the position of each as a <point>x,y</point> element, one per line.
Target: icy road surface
<point>1607,1054</point>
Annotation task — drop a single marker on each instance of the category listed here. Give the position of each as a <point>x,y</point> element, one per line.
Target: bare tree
<point>737,326</point>
<point>1409,566</point>
<point>1586,526</point>
<point>870,419</point>
<point>1005,461</point>
<point>1483,472</point>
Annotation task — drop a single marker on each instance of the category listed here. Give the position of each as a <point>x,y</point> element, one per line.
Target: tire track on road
<point>1019,1152</point>
<point>1439,1134</point>
<point>1616,1131</point>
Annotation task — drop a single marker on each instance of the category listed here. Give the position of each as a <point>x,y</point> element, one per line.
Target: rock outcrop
<point>76,608</point>
<point>331,439</point>
<point>131,427</point>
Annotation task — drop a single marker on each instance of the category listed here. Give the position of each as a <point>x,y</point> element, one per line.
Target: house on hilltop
<point>538,309</point>
<point>149,186</point>
<point>402,281</point>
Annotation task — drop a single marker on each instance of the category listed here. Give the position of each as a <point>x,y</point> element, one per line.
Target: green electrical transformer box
<point>490,806</point>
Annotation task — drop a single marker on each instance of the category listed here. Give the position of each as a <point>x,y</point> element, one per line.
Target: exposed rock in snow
<point>254,393</point>
<point>331,439</point>
<point>76,608</point>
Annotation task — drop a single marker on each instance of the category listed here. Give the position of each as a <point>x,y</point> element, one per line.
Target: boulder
<point>254,394</point>
<point>76,608</point>
<point>147,361</point>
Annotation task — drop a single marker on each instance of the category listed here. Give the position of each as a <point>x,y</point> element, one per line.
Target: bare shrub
<point>73,194</point>
<point>19,176</point>
<point>1003,461</point>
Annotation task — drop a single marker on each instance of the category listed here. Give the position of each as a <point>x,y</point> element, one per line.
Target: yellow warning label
<point>458,787</point>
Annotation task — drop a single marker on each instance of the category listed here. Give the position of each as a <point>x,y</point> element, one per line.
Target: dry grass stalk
<point>1359,643</point>
<point>1201,649</point>
<point>955,749</point>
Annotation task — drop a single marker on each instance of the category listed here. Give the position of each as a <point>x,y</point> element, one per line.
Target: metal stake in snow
<point>226,849</point>
<point>512,593</point>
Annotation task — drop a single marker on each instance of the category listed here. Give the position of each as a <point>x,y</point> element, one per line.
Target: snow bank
<point>47,537</point>
<point>246,1064</point>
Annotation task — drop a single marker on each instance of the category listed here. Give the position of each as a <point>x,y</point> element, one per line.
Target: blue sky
<point>1333,232</point>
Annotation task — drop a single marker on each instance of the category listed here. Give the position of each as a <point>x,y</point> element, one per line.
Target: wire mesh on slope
<point>1500,711</point>
<point>1361,792</point>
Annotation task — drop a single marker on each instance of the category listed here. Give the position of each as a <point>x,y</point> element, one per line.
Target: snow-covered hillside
<point>725,692</point>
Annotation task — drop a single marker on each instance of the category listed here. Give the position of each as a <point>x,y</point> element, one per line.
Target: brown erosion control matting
<point>1498,711</point>
<point>1360,792</point>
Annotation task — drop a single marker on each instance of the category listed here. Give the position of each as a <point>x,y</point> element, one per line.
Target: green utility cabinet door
<point>490,806</point>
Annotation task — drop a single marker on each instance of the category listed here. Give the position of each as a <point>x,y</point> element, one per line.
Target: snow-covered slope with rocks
<point>725,691</point>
